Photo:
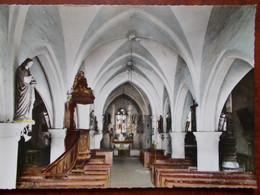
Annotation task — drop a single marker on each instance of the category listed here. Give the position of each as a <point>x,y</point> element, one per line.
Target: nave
<point>128,172</point>
<point>131,77</point>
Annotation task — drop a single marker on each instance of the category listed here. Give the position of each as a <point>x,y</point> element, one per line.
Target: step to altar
<point>128,152</point>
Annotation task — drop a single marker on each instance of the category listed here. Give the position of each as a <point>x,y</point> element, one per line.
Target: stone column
<point>9,137</point>
<point>100,123</point>
<point>57,142</point>
<point>178,144</point>
<point>207,150</point>
<point>154,124</point>
<point>165,142</point>
<point>83,116</point>
<point>96,141</point>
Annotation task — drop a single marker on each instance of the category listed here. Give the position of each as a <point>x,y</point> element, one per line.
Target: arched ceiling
<point>154,37</point>
<point>98,39</point>
<point>152,26</point>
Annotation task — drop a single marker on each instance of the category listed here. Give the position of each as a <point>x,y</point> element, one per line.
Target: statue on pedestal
<point>25,94</point>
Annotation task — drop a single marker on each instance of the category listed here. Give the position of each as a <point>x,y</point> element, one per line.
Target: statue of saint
<point>160,124</point>
<point>92,120</point>
<point>168,122</point>
<point>25,94</point>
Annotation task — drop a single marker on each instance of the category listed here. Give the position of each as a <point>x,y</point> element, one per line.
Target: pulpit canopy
<point>81,93</point>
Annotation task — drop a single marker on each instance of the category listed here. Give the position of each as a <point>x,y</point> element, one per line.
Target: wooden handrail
<point>63,165</point>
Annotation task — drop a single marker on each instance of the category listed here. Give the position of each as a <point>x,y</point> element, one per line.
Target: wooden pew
<point>181,164</point>
<point>146,156</point>
<point>153,159</point>
<point>177,178</point>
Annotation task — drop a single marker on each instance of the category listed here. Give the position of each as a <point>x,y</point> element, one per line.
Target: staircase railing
<point>63,165</point>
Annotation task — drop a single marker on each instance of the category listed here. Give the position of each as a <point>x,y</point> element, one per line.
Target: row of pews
<point>173,173</point>
<point>87,173</point>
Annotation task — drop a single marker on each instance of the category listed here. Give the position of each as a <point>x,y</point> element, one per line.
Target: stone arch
<point>231,80</point>
<point>55,83</point>
<point>136,95</point>
<point>42,87</point>
<point>223,79</point>
<point>144,85</point>
<point>182,108</point>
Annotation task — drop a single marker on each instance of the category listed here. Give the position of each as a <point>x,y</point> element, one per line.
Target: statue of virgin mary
<point>25,94</point>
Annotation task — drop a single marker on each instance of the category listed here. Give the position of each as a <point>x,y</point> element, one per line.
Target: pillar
<point>57,142</point>
<point>9,137</point>
<point>178,144</point>
<point>165,142</point>
<point>100,123</point>
<point>95,140</point>
<point>155,124</point>
<point>83,116</point>
<point>207,150</point>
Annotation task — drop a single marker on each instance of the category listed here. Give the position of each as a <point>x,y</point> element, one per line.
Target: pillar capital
<point>58,133</point>
<point>207,150</point>
<point>10,134</point>
<point>178,144</point>
<point>206,136</point>
<point>8,130</point>
<point>180,134</point>
<point>83,116</point>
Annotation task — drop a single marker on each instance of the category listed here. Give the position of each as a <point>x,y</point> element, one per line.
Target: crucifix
<point>193,116</point>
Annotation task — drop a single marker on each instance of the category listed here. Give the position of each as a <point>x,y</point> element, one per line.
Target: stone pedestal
<point>57,142</point>
<point>178,144</point>
<point>9,137</point>
<point>207,150</point>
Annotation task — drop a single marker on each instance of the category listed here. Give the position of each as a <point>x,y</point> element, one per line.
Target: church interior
<point>162,93</point>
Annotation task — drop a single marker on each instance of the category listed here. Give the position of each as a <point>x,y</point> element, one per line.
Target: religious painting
<point>122,96</point>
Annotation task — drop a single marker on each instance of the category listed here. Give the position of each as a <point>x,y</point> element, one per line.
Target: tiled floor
<point>129,172</point>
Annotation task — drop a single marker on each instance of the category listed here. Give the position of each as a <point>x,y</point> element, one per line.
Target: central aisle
<point>129,172</point>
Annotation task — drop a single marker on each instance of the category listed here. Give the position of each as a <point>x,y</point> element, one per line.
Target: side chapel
<point>82,86</point>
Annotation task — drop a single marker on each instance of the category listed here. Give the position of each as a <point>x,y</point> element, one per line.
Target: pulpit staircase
<point>75,168</point>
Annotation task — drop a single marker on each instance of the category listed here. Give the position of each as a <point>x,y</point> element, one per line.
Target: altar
<point>122,145</point>
<point>123,137</point>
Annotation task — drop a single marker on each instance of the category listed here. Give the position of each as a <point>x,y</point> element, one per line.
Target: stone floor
<point>128,172</point>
